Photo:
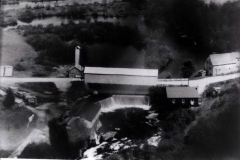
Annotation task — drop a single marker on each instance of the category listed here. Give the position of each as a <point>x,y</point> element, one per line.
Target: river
<point>126,56</point>
<point>131,21</point>
<point>23,4</point>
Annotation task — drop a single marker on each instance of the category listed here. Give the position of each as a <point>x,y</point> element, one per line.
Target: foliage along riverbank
<point>55,44</point>
<point>195,26</point>
<point>84,11</point>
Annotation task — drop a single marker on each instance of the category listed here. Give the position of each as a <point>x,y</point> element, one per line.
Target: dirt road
<point>203,83</point>
<point>63,83</point>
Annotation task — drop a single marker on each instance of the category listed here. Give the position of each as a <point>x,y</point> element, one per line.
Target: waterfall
<point>124,101</point>
<point>107,103</point>
<point>131,100</point>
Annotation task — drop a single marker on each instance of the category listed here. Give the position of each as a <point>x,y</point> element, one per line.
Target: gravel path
<point>203,83</point>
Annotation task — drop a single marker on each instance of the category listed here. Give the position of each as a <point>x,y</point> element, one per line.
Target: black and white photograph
<point>120,79</point>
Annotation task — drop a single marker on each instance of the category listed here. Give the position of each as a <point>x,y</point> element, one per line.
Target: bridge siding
<point>120,89</point>
<point>121,79</point>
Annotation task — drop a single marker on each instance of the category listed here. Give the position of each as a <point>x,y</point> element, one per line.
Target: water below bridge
<point>124,101</point>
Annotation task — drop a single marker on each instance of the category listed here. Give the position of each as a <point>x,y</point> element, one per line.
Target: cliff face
<point>216,131</point>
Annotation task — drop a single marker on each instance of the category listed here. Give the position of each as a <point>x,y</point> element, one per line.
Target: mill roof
<point>225,58</point>
<point>121,71</point>
<point>182,92</point>
<point>78,67</point>
<point>85,110</point>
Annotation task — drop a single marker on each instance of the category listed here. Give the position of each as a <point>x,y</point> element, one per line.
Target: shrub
<point>76,90</point>
<point>38,7</point>
<point>187,69</point>
<point>177,121</point>
<point>48,68</point>
<point>167,145</point>
<point>158,56</point>
<point>115,157</point>
<point>5,153</point>
<point>9,99</point>
<point>39,74</point>
<point>218,133</point>
<point>48,7</point>
<point>95,14</point>
<point>26,16</point>
<point>59,138</point>
<point>12,22</point>
<point>28,7</point>
<point>19,67</point>
<point>39,151</point>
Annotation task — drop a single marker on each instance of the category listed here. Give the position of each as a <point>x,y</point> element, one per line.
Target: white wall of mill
<point>225,69</point>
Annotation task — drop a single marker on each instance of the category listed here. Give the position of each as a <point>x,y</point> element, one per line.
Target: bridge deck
<point>120,89</point>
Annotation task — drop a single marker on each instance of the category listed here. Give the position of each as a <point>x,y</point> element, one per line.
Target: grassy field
<point>15,50</point>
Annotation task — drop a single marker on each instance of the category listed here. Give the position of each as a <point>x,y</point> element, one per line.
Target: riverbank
<point>76,10</point>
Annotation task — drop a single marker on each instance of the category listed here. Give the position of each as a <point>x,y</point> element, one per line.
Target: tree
<point>59,138</point>
<point>26,16</point>
<point>187,69</point>
<point>76,90</point>
<point>9,99</point>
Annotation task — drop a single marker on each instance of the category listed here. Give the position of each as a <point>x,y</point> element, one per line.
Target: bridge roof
<point>122,71</point>
<point>182,92</point>
<point>78,67</point>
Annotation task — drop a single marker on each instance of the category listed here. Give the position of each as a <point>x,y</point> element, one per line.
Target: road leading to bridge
<point>202,83</point>
<point>63,83</point>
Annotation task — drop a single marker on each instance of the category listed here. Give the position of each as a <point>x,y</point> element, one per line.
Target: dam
<point>124,101</point>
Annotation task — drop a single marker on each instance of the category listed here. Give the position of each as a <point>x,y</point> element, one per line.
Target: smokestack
<point>77,55</point>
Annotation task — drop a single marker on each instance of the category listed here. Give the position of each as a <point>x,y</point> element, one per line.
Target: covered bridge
<point>120,80</point>
<point>121,76</point>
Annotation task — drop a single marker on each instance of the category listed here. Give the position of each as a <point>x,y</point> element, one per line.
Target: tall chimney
<point>77,55</point>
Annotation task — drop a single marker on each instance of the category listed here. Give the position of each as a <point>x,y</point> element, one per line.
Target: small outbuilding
<point>185,96</point>
<point>75,72</point>
<point>202,73</point>
<point>6,71</point>
<point>213,92</point>
<point>84,111</point>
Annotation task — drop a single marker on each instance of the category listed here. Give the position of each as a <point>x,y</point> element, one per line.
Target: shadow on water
<point>131,121</point>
